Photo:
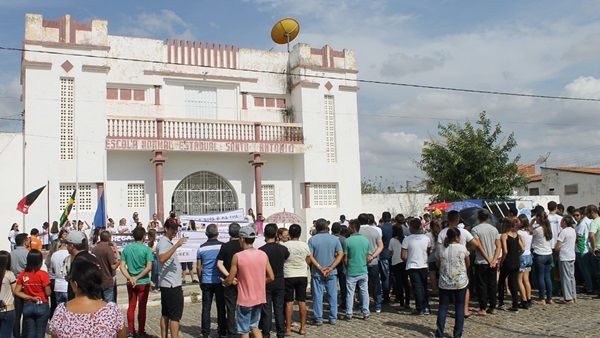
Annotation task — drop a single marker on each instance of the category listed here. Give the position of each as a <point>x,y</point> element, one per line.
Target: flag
<point>65,214</point>
<point>27,201</point>
<point>99,219</point>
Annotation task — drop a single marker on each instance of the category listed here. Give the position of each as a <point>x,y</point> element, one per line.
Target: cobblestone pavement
<point>556,320</point>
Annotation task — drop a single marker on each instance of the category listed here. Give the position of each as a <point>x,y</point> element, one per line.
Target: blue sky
<point>542,47</point>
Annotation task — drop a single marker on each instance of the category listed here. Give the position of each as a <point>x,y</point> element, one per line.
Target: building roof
<point>591,171</point>
<point>528,171</point>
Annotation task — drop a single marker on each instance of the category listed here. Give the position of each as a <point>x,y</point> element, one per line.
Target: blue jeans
<point>418,279</point>
<point>35,319</point>
<point>210,290</point>
<point>321,283</point>
<point>363,289</point>
<point>247,318</point>
<point>7,321</point>
<point>375,285</point>
<point>458,297</point>
<point>108,294</point>
<point>543,265</point>
<point>384,273</point>
<point>61,297</point>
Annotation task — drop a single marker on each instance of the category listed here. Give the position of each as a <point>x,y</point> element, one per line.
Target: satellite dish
<point>285,31</point>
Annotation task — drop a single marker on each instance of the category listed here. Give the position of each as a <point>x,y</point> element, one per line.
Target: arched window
<point>203,193</point>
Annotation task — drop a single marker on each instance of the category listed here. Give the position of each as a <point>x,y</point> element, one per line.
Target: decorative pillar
<point>257,163</point>
<point>159,160</point>
<point>244,100</point>
<point>306,195</point>
<point>157,95</point>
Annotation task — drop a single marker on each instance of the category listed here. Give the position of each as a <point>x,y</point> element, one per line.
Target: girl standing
<point>453,262</point>
<point>565,246</point>
<point>525,262</point>
<point>512,246</point>
<point>7,301</point>
<point>542,257</point>
<point>33,285</point>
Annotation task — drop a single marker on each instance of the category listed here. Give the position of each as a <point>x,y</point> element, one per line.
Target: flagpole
<point>104,160</point>
<point>76,182</point>
<point>24,145</point>
<point>48,202</point>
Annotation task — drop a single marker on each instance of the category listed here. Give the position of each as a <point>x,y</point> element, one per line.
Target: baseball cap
<point>75,237</point>
<point>247,232</point>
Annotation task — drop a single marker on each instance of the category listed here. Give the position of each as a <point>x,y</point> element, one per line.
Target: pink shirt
<point>252,277</point>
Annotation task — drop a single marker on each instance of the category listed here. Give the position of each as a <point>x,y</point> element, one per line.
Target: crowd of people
<point>70,291</point>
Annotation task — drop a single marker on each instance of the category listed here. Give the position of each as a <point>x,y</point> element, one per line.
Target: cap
<point>75,237</point>
<point>247,232</point>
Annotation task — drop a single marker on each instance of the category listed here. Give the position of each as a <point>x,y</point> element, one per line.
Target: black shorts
<point>187,266</point>
<point>295,286</point>
<point>171,302</point>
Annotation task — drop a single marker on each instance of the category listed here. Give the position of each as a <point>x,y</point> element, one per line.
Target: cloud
<point>164,23</point>
<point>584,86</point>
<point>400,64</point>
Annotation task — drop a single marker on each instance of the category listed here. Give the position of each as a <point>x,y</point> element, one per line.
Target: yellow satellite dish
<point>284,31</point>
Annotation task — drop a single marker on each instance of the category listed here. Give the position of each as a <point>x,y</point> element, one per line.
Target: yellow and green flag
<point>65,214</point>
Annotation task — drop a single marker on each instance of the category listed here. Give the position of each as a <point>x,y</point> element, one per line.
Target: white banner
<point>225,217</point>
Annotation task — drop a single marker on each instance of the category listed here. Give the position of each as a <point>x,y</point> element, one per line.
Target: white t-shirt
<point>527,238</point>
<point>583,229</point>
<point>57,271</point>
<point>295,265</point>
<point>554,220</point>
<point>567,249</point>
<point>395,247</point>
<point>416,245</point>
<point>465,236</point>
<point>453,270</point>
<point>12,234</point>
<point>539,244</point>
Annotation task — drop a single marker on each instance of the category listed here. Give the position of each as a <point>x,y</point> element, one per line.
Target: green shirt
<point>595,229</point>
<point>356,247</point>
<point>136,256</point>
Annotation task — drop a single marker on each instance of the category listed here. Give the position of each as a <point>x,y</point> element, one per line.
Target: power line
<point>358,80</point>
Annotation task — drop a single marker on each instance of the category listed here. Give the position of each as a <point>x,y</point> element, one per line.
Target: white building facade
<point>189,126</point>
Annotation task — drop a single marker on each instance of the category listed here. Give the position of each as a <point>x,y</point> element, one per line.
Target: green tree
<point>470,161</point>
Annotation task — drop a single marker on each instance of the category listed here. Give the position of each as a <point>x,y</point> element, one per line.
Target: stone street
<point>557,320</point>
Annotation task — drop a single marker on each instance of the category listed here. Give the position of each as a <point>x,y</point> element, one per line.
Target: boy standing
<point>252,271</point>
<point>415,250</point>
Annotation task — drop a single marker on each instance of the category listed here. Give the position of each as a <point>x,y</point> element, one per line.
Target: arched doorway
<point>203,193</point>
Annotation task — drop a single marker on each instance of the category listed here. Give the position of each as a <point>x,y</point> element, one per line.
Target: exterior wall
<point>11,155</point>
<point>554,182</point>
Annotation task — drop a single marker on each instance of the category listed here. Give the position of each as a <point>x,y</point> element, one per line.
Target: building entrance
<point>203,193</point>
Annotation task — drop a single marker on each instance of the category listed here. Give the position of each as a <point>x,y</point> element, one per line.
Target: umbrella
<point>441,206</point>
<point>469,217</point>
<point>284,217</point>
<point>460,205</point>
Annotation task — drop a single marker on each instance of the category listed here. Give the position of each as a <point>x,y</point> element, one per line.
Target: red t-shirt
<point>34,283</point>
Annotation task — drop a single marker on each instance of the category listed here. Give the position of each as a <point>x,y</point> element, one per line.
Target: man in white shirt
<point>554,220</point>
<point>415,249</point>
<point>485,268</point>
<point>582,249</point>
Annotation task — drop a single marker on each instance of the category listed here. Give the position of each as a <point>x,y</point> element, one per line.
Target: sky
<point>533,47</point>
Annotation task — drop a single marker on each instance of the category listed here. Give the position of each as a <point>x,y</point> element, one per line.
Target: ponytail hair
<point>451,236</point>
<point>545,224</point>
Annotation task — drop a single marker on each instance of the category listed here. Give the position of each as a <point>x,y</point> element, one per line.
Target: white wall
<point>11,157</point>
<point>409,204</point>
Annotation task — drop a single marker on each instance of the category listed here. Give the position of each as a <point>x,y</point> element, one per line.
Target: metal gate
<point>203,193</point>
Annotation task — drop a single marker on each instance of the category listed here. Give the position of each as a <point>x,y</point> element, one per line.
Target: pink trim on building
<point>175,52</point>
<point>112,94</point>
<point>139,95</point>
<point>270,102</point>
<point>259,101</point>
<point>244,100</point>
<point>280,103</point>
<point>189,53</point>
<point>157,95</point>
<point>348,88</point>
<point>235,52</point>
<point>202,54</point>
<point>202,76</point>
<point>182,50</point>
<point>75,26</point>
<point>338,54</point>
<point>316,51</point>
<point>124,94</point>
<point>169,60</point>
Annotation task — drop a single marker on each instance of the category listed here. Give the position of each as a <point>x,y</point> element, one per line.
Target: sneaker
<point>348,317</point>
<point>317,323</point>
<point>332,322</point>
<point>365,316</point>
<point>426,312</point>
<point>377,310</point>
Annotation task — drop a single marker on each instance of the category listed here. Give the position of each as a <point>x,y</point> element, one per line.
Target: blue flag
<point>99,217</point>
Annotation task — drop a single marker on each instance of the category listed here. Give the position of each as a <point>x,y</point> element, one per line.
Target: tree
<point>470,162</point>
